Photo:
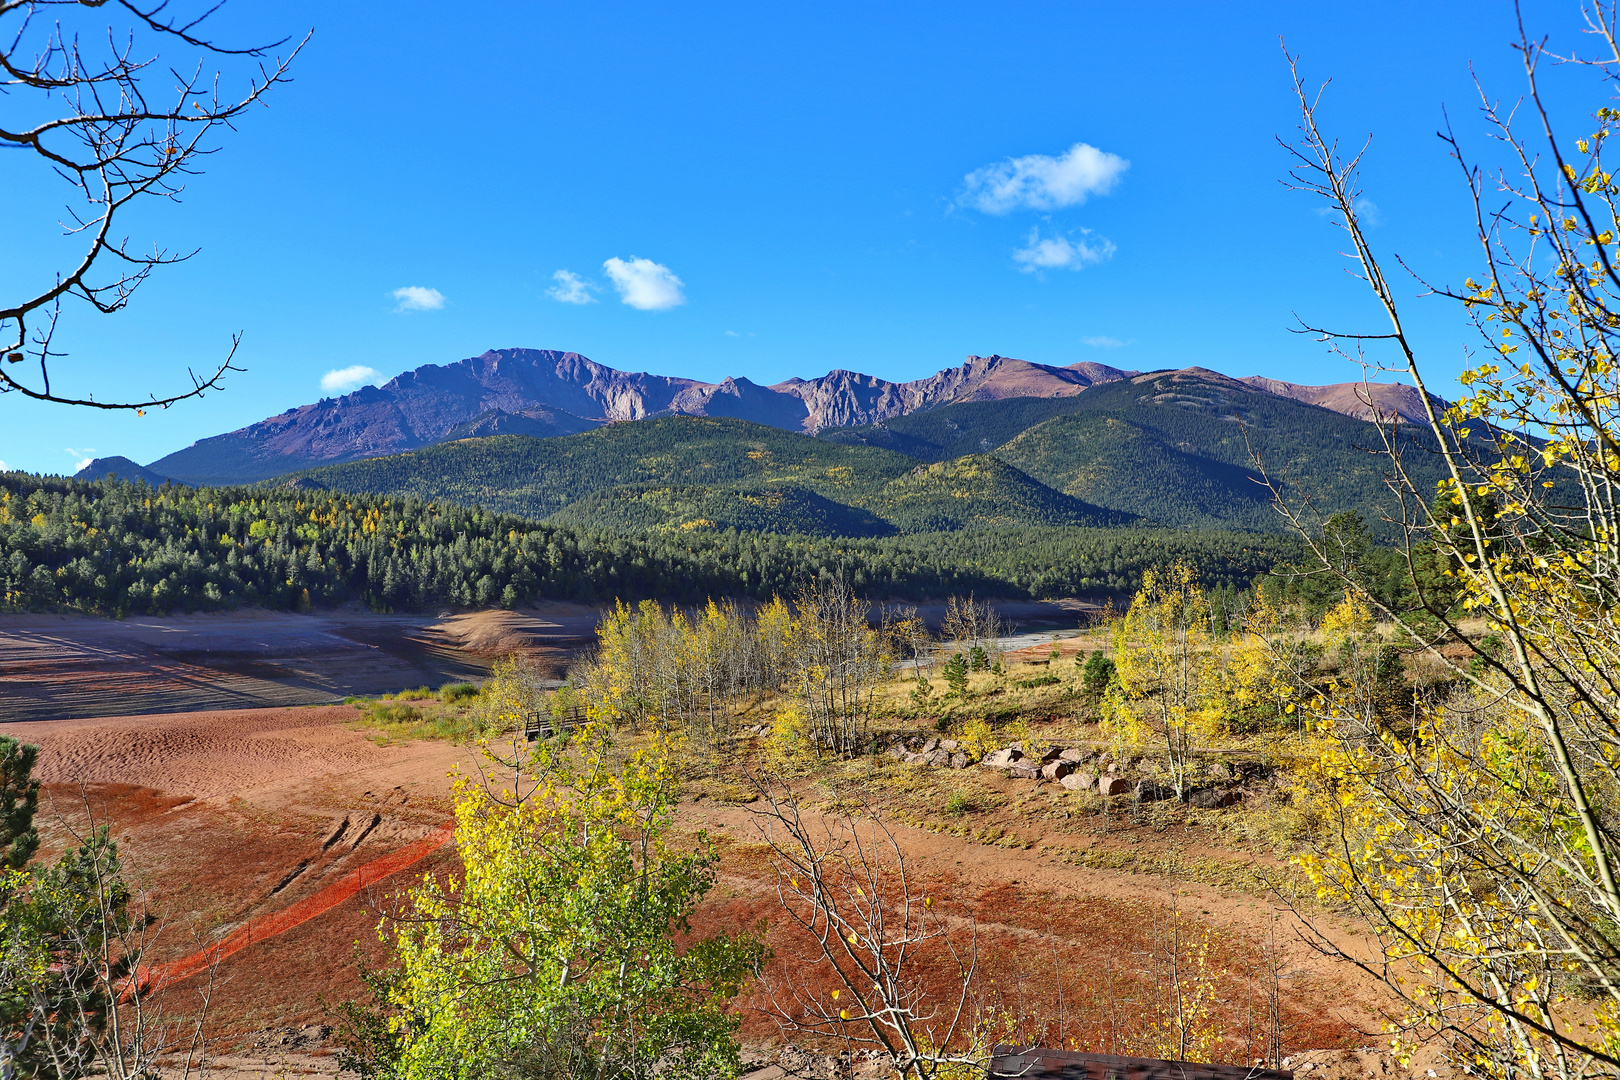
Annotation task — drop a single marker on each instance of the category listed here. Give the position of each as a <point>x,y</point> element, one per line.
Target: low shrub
<point>450,693</point>
<point>384,712</point>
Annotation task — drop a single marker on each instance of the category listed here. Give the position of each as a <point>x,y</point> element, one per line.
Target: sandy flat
<point>55,667</point>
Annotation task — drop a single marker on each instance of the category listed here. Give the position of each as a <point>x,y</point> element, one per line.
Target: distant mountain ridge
<point>1190,449</point>
<point>124,469</point>
<point>1363,400</point>
<point>544,393</point>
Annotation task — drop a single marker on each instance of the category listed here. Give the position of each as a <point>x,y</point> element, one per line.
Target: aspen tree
<point>1480,838</point>
<point>1166,673</point>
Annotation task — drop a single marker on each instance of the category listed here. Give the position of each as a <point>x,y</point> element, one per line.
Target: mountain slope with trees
<point>1188,448</point>
<point>536,477</point>
<point>119,548</point>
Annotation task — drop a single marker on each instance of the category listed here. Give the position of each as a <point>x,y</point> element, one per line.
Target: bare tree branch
<point>120,138</point>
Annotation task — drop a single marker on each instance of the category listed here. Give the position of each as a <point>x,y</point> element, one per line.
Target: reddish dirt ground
<point>230,815</point>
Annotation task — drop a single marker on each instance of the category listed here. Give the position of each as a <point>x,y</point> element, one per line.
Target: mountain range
<point>994,443</point>
<point>1187,449</point>
<point>545,393</point>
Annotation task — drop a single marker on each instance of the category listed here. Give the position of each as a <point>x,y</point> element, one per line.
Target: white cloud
<point>79,466</point>
<point>1103,341</point>
<point>418,298</point>
<point>1061,253</point>
<point>342,380</point>
<point>1367,212</point>
<point>571,288</point>
<point>732,333</point>
<point>1038,182</point>
<point>7,468</point>
<point>83,455</point>
<point>644,284</point>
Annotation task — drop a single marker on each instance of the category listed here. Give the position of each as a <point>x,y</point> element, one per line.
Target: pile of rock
<point>944,753</point>
<point>757,729</point>
<point>1074,768</point>
<point>1081,770</point>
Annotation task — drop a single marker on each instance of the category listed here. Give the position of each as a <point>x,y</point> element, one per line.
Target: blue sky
<point>885,188</point>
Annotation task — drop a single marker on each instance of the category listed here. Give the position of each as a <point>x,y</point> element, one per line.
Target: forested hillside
<point>691,472</point>
<point>968,493</point>
<point>969,427</point>
<point>1175,447</point>
<point>535,477</point>
<point>1183,448</point>
<point>117,548</point>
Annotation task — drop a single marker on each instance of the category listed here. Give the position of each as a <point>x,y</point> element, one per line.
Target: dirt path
<point>1023,875</point>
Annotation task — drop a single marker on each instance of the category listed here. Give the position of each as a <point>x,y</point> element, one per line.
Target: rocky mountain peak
<point>546,392</point>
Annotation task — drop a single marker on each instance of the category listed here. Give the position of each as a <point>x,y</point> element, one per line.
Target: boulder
<point>912,759</point>
<point>1057,769</point>
<point>1075,755</point>
<point>948,744</point>
<point>1052,754</point>
<point>1078,781</point>
<point>1152,791</point>
<point>1113,785</point>
<point>1025,770</point>
<point>1018,746</point>
<point>930,746</point>
<point>898,751</point>
<point>1003,759</point>
<point>938,757</point>
<point>959,760</point>
<point>1211,798</point>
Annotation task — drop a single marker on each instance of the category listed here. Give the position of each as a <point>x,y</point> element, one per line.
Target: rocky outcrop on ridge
<point>1364,401</point>
<point>542,392</point>
<point>545,392</point>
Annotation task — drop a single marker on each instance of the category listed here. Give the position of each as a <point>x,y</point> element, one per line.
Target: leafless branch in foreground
<point>104,122</point>
<point>842,880</point>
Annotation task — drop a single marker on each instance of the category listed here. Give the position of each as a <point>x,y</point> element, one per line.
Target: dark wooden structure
<point>1040,1064</point>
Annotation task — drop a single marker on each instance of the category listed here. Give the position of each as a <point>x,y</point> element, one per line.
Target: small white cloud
<point>732,333</point>
<point>342,380</point>
<point>1367,212</point>
<point>80,466</point>
<point>7,468</point>
<point>1103,341</point>
<point>1061,253</point>
<point>571,288</point>
<point>644,284</point>
<point>84,455</point>
<point>418,298</point>
<point>1038,182</point>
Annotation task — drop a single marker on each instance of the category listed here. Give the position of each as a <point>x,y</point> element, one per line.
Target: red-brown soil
<point>230,815</point>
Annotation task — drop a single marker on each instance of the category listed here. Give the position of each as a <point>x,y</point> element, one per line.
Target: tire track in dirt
<point>264,927</point>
